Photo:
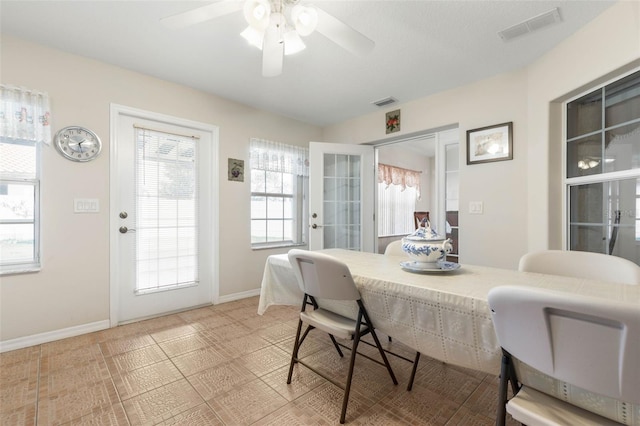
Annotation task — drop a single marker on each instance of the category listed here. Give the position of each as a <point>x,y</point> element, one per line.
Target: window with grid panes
<point>279,183</point>
<point>602,177</point>
<point>19,206</point>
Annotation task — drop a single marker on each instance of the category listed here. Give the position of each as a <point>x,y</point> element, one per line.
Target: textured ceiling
<point>422,47</point>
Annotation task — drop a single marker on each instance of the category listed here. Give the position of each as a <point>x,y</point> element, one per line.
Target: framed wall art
<point>491,143</point>
<point>236,170</point>
<point>392,120</point>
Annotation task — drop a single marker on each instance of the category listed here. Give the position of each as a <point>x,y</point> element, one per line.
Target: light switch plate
<point>475,207</point>
<point>86,205</point>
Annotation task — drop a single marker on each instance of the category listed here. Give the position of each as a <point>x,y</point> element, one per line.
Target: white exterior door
<point>162,214</point>
<point>341,201</point>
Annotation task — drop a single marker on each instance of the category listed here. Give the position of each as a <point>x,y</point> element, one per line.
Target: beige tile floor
<point>226,365</point>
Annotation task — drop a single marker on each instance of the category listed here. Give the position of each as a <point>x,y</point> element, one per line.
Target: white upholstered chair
<point>581,264</point>
<point>587,342</point>
<point>321,276</point>
<point>394,248</point>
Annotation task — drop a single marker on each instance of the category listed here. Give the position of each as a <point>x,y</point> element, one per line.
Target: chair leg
<point>413,371</point>
<point>502,391</point>
<point>352,361</point>
<point>333,339</point>
<point>375,339</point>
<point>294,354</point>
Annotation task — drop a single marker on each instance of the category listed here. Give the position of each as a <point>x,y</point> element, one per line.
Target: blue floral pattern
<point>418,249</point>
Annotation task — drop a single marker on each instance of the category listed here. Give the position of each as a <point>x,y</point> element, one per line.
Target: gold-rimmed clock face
<point>78,143</point>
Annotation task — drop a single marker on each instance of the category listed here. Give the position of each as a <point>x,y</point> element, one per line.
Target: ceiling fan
<point>276,27</point>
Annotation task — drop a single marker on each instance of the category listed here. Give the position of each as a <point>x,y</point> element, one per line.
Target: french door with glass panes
<point>341,200</point>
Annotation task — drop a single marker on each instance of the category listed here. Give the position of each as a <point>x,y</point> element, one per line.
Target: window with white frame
<point>602,173</point>
<point>24,125</point>
<point>279,184</point>
<point>398,190</point>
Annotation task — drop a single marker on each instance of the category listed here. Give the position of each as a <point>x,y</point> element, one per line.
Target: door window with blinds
<point>166,210</point>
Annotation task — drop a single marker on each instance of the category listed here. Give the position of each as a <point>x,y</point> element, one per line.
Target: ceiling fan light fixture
<point>253,36</point>
<point>256,13</point>
<point>292,43</point>
<point>304,18</point>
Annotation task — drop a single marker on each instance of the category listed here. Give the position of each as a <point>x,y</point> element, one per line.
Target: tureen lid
<point>424,233</point>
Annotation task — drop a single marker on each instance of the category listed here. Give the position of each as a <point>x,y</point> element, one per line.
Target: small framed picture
<point>236,170</point>
<point>491,143</point>
<point>393,121</point>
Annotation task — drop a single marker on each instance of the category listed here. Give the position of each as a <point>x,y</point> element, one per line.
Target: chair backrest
<point>418,217</point>
<point>394,248</point>
<point>323,276</point>
<point>588,342</point>
<point>581,264</point>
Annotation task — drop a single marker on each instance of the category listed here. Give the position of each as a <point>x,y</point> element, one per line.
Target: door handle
<point>124,230</point>
<point>314,226</point>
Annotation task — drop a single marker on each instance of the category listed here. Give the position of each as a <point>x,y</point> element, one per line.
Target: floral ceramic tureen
<point>425,245</point>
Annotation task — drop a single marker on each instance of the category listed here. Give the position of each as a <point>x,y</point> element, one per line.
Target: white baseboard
<point>238,296</point>
<point>50,336</point>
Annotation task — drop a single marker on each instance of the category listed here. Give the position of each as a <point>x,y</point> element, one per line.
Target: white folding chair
<point>590,343</point>
<point>321,276</point>
<point>583,264</point>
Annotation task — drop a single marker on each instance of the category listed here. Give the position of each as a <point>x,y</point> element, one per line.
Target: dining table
<point>444,313</point>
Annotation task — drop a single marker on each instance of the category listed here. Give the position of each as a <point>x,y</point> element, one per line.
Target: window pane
<point>275,208</point>
<point>258,207</point>
<point>288,208</point>
<point>17,201</point>
<point>584,156</point>
<point>274,182</point>
<point>166,210</point>
<point>329,165</point>
<point>604,216</point>
<point>622,100</point>
<point>622,148</point>
<point>17,243</point>
<point>258,231</point>
<point>275,230</point>
<point>584,115</point>
<point>258,181</point>
<point>287,183</point>
<point>17,161</point>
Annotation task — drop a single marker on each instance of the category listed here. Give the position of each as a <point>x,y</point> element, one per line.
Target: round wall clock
<point>78,143</point>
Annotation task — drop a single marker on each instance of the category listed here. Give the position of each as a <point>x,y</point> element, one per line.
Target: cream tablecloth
<point>445,315</point>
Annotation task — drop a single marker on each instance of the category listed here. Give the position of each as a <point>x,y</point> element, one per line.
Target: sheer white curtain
<point>279,157</point>
<point>24,114</point>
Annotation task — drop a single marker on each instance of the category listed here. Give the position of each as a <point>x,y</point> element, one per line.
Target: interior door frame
<point>439,201</point>
<point>116,111</point>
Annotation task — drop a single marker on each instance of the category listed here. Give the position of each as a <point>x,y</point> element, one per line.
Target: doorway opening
<point>418,173</point>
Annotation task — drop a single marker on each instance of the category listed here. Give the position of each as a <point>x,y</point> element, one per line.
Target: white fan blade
<point>201,14</point>
<point>343,35</point>
<point>272,54</point>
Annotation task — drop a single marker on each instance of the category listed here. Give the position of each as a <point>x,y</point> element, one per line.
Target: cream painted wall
<point>524,212</point>
<point>493,101</point>
<point>72,289</point>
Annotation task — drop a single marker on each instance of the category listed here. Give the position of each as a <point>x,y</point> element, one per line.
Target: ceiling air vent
<point>385,101</point>
<point>531,24</point>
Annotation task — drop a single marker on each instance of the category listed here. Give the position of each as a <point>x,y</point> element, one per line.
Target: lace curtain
<point>24,114</point>
<point>398,176</point>
<point>279,157</point>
